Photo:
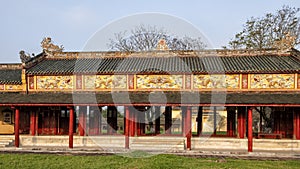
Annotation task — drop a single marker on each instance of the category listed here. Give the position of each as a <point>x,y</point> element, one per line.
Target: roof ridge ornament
<point>286,43</point>
<point>162,45</point>
<point>49,47</point>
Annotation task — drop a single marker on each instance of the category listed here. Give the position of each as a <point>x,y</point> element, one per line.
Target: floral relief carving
<point>216,81</point>
<point>159,81</point>
<point>54,82</point>
<point>272,81</point>
<point>105,81</point>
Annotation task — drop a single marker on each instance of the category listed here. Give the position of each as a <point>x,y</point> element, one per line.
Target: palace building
<point>244,99</point>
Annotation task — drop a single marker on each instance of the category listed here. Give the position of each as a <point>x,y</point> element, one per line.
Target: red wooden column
<point>96,122</point>
<point>215,120</point>
<point>82,120</point>
<point>32,123</point>
<point>296,131</point>
<point>17,127</point>
<point>157,120</point>
<point>250,133</point>
<point>241,122</point>
<point>230,121</point>
<point>199,121</point>
<point>133,123</point>
<point>71,125</point>
<point>127,126</point>
<point>188,127</point>
<point>168,119</point>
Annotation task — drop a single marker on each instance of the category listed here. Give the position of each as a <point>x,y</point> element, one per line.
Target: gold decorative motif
<point>105,81</point>
<point>162,45</point>
<point>229,81</point>
<point>13,87</point>
<point>272,81</point>
<point>55,82</point>
<point>159,81</point>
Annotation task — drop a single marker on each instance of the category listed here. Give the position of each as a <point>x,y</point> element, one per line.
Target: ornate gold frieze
<point>272,81</point>
<point>159,81</point>
<point>228,81</point>
<point>55,82</point>
<point>8,87</point>
<point>105,81</point>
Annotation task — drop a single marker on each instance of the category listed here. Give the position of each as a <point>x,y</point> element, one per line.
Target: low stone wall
<point>159,143</point>
<point>242,144</point>
<point>78,141</point>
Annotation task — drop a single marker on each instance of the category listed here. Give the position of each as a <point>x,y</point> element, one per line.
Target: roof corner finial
<point>162,45</point>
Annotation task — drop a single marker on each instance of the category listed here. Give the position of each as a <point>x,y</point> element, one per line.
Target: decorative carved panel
<point>159,81</point>
<point>245,81</point>
<point>31,82</point>
<point>272,81</point>
<point>228,81</point>
<point>1,86</point>
<point>105,81</point>
<point>188,81</point>
<point>54,82</point>
<point>79,82</point>
<point>13,87</point>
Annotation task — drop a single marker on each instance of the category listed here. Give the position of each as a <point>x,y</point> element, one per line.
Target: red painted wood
<point>188,127</point>
<point>199,121</point>
<point>71,125</point>
<point>156,104</point>
<point>127,127</point>
<point>250,134</point>
<point>215,120</point>
<point>32,123</point>
<point>294,124</point>
<point>132,123</point>
<point>168,119</point>
<point>298,125</point>
<point>157,120</point>
<point>241,122</point>
<point>81,122</point>
<point>96,122</point>
<point>17,127</point>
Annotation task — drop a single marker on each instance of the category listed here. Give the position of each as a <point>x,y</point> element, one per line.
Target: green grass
<point>32,161</point>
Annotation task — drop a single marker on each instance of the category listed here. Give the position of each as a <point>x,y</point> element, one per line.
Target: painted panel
<point>159,81</point>
<point>228,81</point>
<point>272,81</point>
<point>105,81</point>
<point>54,82</point>
<point>13,87</point>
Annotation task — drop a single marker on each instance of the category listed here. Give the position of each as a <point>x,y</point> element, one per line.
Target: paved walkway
<point>239,154</point>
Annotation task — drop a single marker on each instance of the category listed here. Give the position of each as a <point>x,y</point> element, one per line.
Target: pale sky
<point>72,23</point>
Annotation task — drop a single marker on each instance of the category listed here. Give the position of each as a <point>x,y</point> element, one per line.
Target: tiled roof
<point>10,76</point>
<point>129,98</point>
<point>191,64</point>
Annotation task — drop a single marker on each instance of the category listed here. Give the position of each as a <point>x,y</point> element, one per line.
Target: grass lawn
<point>23,161</point>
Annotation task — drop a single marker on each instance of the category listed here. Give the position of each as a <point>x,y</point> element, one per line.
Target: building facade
<point>218,93</point>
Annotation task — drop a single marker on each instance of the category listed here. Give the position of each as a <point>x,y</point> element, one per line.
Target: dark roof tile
<point>10,76</point>
<point>224,64</point>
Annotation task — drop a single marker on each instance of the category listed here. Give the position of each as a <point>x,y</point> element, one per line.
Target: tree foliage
<point>263,32</point>
<point>146,38</point>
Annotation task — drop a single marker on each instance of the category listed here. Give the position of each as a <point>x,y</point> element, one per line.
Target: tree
<point>146,38</point>
<point>264,32</point>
